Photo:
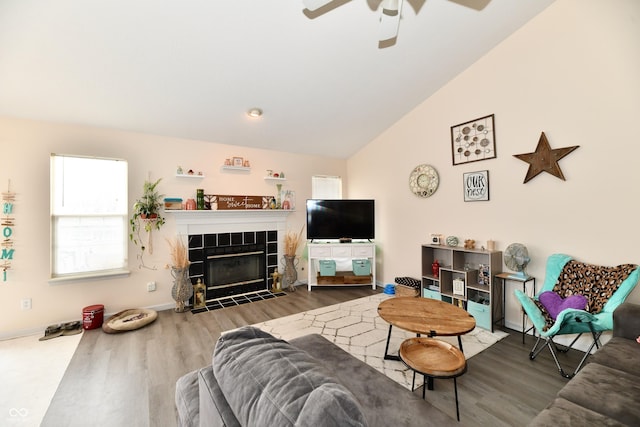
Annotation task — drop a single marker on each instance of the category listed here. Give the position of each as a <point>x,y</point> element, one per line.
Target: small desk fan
<point>516,257</point>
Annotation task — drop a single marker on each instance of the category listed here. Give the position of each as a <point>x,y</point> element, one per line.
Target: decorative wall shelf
<point>274,179</point>
<point>186,175</point>
<point>235,168</point>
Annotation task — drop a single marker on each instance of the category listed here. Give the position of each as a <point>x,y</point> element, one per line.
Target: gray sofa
<point>606,391</point>
<point>257,380</point>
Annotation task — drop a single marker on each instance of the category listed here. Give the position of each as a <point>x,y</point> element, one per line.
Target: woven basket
<point>406,291</point>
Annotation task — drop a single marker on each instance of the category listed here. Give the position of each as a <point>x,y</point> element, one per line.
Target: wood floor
<point>129,379</point>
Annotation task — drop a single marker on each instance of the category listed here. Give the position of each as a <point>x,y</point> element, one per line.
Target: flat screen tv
<point>343,219</point>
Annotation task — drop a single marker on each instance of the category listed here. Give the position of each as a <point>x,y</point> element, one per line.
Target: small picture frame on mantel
<point>238,162</point>
<point>476,186</point>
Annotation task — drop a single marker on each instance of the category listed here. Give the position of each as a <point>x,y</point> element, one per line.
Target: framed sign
<point>473,141</point>
<point>476,186</point>
<point>225,203</point>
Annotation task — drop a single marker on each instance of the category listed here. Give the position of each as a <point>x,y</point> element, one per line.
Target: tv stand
<point>340,251</point>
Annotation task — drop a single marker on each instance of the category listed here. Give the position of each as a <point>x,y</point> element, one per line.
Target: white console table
<point>338,251</point>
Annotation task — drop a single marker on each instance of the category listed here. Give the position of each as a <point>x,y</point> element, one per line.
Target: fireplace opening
<point>233,270</point>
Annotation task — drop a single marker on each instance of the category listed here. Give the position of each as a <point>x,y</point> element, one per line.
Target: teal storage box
<point>482,314</point>
<point>327,267</point>
<point>361,267</point>
<point>428,293</point>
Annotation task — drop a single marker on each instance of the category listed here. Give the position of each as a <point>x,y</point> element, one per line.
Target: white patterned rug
<point>356,328</point>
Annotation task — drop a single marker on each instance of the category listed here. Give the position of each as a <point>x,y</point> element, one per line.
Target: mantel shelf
<point>228,212</point>
<point>273,178</point>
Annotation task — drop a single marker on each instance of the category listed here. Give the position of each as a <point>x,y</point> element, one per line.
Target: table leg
<point>388,356</point>
<point>460,343</point>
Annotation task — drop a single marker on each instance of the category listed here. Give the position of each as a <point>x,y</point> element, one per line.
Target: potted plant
<point>146,214</point>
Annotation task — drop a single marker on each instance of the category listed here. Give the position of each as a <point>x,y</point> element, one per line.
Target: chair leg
<point>569,347</point>
<point>536,350</point>
<point>553,348</point>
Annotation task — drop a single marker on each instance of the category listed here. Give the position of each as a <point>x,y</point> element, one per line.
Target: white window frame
<point>89,217</point>
<point>326,187</point>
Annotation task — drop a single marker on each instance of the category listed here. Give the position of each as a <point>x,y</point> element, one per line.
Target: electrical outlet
<point>25,303</point>
<point>151,286</point>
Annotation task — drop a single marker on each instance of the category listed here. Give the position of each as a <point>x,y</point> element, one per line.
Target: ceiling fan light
<point>254,113</point>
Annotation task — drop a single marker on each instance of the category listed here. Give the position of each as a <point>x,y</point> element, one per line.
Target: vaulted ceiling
<point>193,68</point>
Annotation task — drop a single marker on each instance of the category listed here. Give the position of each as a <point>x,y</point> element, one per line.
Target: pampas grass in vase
<point>291,243</point>
<point>182,289</point>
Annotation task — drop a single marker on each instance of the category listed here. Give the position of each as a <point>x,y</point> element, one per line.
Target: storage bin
<point>92,316</point>
<point>428,293</point>
<point>482,314</point>
<point>327,267</point>
<point>361,267</point>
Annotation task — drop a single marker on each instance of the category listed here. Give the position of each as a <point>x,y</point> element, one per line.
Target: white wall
<point>26,147</point>
<point>571,72</point>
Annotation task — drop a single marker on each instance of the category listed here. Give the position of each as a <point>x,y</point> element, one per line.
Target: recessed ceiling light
<point>254,112</point>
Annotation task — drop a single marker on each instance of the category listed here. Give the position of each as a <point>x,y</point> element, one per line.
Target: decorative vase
<point>290,274</point>
<point>182,288</point>
<point>278,198</point>
<point>435,268</point>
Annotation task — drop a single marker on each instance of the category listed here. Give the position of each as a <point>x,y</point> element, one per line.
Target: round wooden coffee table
<point>433,359</point>
<point>425,316</point>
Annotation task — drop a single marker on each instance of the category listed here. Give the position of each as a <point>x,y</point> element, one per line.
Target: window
<point>326,187</point>
<point>88,216</point>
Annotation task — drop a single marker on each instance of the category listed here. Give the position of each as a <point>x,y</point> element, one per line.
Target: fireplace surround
<point>232,252</point>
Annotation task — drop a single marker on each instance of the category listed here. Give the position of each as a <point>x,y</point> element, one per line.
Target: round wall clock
<point>423,181</point>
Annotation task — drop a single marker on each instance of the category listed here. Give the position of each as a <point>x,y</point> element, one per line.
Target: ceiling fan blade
<point>390,19</point>
<point>315,4</point>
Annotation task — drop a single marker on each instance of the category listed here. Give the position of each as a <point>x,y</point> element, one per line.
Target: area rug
<point>356,327</point>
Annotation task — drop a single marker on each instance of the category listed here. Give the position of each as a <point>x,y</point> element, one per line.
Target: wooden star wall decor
<point>544,159</point>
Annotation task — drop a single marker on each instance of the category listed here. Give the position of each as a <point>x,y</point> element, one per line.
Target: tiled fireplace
<point>232,252</point>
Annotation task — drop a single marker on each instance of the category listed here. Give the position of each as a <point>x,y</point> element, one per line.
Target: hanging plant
<point>146,217</point>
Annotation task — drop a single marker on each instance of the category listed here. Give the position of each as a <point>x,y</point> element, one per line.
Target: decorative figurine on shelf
<point>179,171</point>
<point>435,268</point>
<point>277,284</point>
<point>199,294</point>
<point>469,244</point>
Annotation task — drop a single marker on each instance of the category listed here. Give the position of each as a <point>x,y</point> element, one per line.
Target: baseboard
<point>40,330</point>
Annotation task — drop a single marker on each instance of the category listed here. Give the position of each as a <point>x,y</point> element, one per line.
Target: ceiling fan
<point>389,16</point>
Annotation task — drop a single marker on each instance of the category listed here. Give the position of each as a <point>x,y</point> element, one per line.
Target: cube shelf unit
<point>476,269</point>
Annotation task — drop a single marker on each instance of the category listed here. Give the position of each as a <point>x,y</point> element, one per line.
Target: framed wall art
<point>473,141</point>
<point>238,161</point>
<point>476,186</point>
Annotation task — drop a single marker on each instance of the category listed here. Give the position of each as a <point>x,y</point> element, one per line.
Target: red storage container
<point>92,316</point>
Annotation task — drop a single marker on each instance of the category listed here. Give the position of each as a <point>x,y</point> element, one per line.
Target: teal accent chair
<point>571,321</point>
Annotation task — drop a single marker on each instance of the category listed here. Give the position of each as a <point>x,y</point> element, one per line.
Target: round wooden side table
<point>434,359</point>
